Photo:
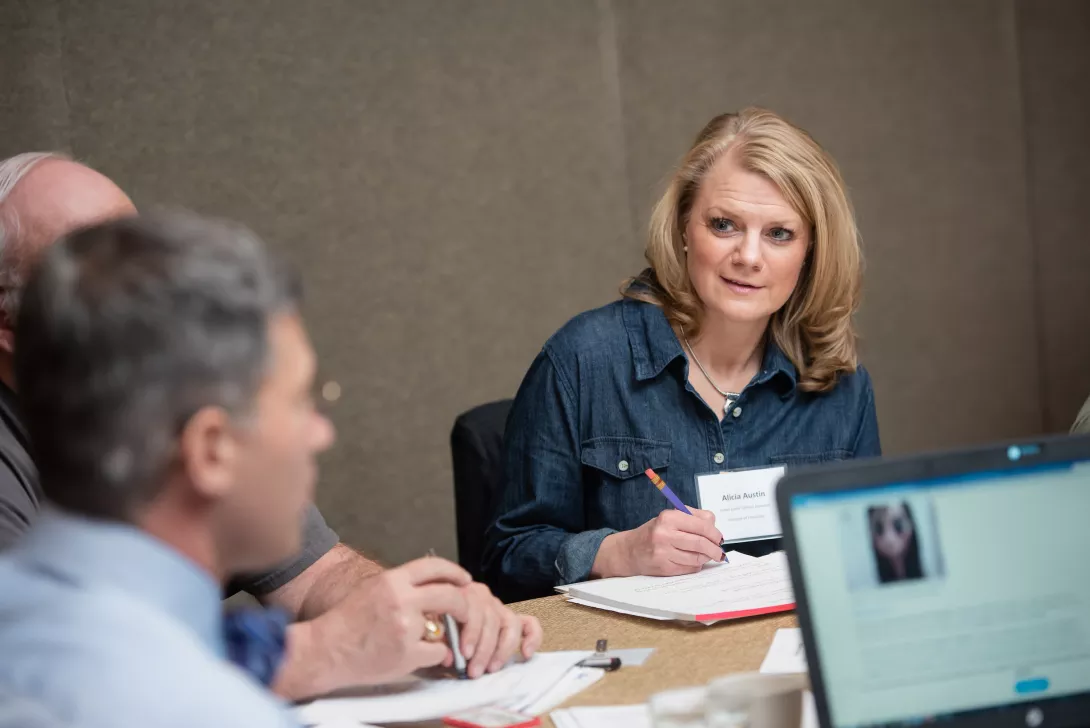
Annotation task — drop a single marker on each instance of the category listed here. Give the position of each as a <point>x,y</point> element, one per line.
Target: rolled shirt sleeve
<point>318,540</point>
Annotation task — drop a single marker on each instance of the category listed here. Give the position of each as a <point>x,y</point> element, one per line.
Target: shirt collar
<point>654,346</point>
<point>120,556</point>
<point>777,368</point>
<point>651,338</point>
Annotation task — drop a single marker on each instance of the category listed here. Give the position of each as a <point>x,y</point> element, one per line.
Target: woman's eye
<point>722,225</point>
<point>781,235</point>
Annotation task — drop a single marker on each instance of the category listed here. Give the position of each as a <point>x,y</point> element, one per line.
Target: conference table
<point>685,655</point>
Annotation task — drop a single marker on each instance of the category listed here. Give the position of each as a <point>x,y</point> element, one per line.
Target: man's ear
<point>209,452</point>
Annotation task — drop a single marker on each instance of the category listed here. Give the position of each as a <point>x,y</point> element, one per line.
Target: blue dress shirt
<point>607,398</point>
<point>107,627</point>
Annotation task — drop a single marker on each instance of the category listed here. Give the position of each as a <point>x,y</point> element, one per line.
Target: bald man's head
<point>44,197</point>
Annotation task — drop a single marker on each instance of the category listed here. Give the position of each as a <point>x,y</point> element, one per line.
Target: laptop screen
<point>935,598</point>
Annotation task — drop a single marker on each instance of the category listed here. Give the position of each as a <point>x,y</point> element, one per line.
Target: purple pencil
<point>661,485</point>
<point>670,496</point>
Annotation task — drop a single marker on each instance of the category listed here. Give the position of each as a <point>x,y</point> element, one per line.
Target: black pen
<point>609,664</point>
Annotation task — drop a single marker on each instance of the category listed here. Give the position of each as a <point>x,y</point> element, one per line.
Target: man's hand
<point>493,633</point>
<point>376,633</point>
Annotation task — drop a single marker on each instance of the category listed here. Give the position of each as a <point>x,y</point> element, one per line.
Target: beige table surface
<point>685,655</point>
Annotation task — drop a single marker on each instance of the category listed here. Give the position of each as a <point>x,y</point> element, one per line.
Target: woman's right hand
<point>670,544</point>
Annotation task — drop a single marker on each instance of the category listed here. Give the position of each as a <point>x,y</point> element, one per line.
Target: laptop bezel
<point>1008,456</point>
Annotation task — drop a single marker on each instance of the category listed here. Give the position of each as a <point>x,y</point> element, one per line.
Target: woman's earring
<point>686,248</point>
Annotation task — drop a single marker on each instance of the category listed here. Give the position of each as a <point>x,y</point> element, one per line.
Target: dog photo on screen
<point>895,542</point>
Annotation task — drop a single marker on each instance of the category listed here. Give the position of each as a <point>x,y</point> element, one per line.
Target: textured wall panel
<point>443,172</point>
<point>1055,44</point>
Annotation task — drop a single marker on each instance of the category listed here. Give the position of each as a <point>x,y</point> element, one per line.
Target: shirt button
<point>718,458</point>
<point>623,466</point>
<point>737,412</point>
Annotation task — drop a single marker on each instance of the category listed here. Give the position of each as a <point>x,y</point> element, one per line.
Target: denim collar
<point>655,346</point>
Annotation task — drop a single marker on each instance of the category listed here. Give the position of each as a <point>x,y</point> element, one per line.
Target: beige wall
<point>1055,63</point>
<point>456,179</point>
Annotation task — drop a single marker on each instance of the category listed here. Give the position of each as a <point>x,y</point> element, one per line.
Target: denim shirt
<point>609,397</point>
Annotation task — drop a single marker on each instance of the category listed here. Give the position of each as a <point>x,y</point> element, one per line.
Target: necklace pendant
<point>727,404</point>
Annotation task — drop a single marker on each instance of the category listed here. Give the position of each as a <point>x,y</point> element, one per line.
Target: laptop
<point>950,588</point>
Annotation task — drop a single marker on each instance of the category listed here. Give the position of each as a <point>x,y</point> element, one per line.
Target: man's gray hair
<point>12,171</point>
<point>126,330</point>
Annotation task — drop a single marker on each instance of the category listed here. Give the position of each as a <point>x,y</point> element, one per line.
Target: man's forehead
<point>292,355</point>
<point>59,196</point>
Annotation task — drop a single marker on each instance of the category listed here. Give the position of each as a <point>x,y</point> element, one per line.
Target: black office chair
<point>476,446</point>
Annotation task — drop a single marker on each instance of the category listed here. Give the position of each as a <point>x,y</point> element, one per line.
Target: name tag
<point>743,501</point>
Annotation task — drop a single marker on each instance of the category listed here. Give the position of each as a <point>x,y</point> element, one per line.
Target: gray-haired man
<point>346,604</point>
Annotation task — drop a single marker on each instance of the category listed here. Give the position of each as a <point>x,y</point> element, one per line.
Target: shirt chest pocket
<point>621,458</point>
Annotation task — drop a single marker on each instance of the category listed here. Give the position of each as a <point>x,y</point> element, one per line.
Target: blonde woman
<point>735,349</point>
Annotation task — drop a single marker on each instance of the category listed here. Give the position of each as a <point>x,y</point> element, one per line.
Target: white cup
<point>678,708</point>
<point>755,700</point>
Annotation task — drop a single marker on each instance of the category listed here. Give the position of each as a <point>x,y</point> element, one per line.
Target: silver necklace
<point>730,397</point>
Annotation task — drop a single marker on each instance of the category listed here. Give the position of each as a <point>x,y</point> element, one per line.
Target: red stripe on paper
<point>745,613</point>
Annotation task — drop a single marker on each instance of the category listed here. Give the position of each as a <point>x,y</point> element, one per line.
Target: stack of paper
<point>786,655</point>
<point>613,716</point>
<point>639,716</point>
<point>740,588</point>
<point>540,683</point>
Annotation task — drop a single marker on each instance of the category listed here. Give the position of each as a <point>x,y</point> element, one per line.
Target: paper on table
<point>786,653</point>
<point>639,716</point>
<point>574,682</point>
<point>612,716</point>
<point>596,605</point>
<point>632,656</point>
<point>809,711</point>
<point>417,699</point>
<point>733,557</point>
<point>726,591</point>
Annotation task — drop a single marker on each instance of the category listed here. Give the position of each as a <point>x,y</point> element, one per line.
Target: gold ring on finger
<point>434,630</point>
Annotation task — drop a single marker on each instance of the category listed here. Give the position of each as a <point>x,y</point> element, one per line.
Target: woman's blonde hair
<point>814,328</point>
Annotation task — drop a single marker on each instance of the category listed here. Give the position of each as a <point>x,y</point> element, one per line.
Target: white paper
<point>809,711</point>
<point>633,656</point>
<point>596,605</point>
<point>613,716</point>
<point>743,501</point>
<point>724,589</point>
<point>563,719</point>
<point>733,557</point>
<point>786,655</point>
<point>418,699</point>
<point>574,682</point>
<point>639,716</point>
